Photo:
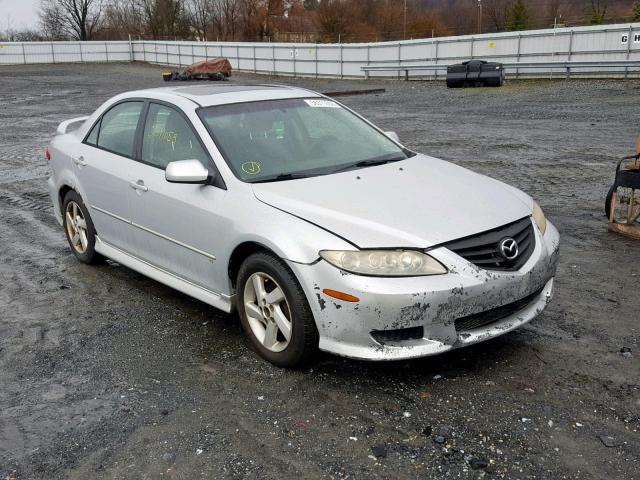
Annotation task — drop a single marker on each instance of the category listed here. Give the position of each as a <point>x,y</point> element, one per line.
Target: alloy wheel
<point>268,313</point>
<point>76,227</point>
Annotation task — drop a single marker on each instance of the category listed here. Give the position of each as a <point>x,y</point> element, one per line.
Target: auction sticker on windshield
<point>322,103</point>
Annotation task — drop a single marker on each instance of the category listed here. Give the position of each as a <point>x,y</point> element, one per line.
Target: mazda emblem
<point>508,248</point>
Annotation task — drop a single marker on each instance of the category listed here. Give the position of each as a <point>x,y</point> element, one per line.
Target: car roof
<point>209,94</point>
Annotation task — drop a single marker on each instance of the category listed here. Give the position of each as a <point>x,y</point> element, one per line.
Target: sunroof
<point>204,90</point>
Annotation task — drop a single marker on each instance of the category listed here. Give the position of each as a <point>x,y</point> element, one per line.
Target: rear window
<point>118,127</point>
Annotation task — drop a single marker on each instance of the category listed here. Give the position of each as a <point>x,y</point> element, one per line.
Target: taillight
<point>47,154</point>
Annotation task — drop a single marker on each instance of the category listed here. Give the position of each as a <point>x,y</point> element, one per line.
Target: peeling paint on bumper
<point>433,303</point>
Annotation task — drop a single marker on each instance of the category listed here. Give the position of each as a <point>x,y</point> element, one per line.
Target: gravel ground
<point>107,374</point>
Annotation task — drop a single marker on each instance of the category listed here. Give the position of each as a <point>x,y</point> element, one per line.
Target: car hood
<point>417,203</point>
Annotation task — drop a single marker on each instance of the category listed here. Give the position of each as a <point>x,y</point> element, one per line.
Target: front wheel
<point>274,311</point>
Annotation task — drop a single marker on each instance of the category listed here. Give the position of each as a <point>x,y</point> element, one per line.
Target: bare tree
<point>597,9</point>
<point>201,15</point>
<point>559,11</point>
<point>335,19</point>
<point>165,18</point>
<point>252,15</point>
<point>76,18</point>
<point>497,11</point>
<point>121,18</point>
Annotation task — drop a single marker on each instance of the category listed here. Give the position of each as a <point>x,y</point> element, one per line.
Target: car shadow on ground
<point>212,331</point>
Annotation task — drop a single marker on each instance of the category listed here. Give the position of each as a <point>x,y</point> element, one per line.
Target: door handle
<point>79,161</point>
<point>139,185</point>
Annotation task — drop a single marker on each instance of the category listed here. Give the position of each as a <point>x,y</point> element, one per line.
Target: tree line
<point>310,20</point>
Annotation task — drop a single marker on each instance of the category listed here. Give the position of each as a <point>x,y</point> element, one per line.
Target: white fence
<point>590,44</point>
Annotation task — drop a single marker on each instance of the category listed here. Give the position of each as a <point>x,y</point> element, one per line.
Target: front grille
<point>483,249</point>
<point>397,335</point>
<point>482,319</point>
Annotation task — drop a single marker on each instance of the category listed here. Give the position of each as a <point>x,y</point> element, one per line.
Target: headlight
<point>539,218</point>
<point>384,263</point>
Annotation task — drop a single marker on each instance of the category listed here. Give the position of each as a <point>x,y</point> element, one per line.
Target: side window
<point>168,137</point>
<point>118,128</point>
<point>92,138</point>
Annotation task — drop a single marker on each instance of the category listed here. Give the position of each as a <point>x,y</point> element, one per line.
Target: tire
<point>82,246</point>
<point>259,315</point>
<point>607,205</point>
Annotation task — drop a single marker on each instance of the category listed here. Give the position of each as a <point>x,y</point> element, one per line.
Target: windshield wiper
<point>282,176</point>
<point>371,162</point>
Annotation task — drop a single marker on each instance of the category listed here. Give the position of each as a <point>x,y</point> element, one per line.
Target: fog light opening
<point>340,295</point>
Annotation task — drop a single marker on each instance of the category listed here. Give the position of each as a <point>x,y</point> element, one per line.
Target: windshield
<point>293,138</point>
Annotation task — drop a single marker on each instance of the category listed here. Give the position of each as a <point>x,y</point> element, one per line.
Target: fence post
<point>472,39</point>
<point>193,53</point>
<point>294,60</point>
<point>400,58</point>
<point>518,54</point>
<point>315,58</point>
<point>435,72</point>
<point>130,50</point>
<point>341,67</point>
<point>366,72</point>
<point>106,52</point>
<point>53,54</point>
<point>255,61</point>
<point>570,53</point>
<point>273,58</point>
<point>80,48</point>
<point>24,55</point>
<point>238,55</point>
<point>166,52</point>
<point>629,40</point>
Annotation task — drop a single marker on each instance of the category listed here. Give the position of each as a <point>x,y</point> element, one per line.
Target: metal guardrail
<point>601,43</point>
<point>566,66</point>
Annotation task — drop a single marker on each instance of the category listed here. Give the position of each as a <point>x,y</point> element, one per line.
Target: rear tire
<point>274,311</point>
<point>79,229</point>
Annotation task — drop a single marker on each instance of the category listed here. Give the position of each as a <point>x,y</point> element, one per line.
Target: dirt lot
<point>106,374</point>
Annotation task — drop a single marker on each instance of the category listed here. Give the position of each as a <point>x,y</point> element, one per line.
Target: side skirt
<point>223,302</point>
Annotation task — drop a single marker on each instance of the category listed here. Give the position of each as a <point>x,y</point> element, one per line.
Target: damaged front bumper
<point>401,318</point>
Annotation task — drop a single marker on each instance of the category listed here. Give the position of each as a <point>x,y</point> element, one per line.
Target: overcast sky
<point>18,14</point>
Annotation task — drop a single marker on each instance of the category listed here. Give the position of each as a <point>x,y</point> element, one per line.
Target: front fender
<point>289,237</point>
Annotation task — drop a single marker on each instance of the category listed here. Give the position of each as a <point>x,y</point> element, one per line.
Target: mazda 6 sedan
<point>321,230</point>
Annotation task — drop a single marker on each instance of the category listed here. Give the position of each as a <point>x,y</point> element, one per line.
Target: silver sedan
<point>319,229</point>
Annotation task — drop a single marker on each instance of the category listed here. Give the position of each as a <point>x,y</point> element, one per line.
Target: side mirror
<point>186,171</point>
<point>393,136</point>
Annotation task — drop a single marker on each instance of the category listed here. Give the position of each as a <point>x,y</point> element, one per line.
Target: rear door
<point>177,227</point>
<point>103,165</point>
